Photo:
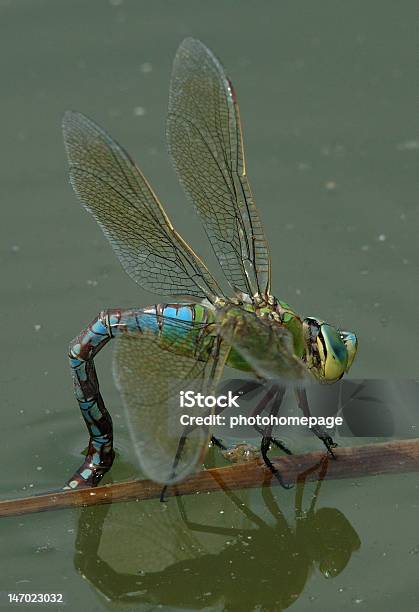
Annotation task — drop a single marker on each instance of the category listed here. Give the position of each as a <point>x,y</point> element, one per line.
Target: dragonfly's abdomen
<point>173,337</point>
<point>159,320</point>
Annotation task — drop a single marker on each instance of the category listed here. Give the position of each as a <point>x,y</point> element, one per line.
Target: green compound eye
<point>351,343</point>
<point>333,352</point>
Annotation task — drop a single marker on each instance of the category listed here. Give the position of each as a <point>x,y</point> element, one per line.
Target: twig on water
<point>373,459</point>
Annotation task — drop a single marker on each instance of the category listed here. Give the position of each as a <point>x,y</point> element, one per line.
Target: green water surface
<point>328,94</point>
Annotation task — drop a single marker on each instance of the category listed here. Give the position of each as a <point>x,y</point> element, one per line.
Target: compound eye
<point>351,343</point>
<point>335,353</point>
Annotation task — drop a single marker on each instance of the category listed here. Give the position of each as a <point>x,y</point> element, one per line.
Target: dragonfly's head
<point>329,352</point>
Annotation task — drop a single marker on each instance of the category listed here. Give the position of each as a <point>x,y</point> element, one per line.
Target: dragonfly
<point>188,341</point>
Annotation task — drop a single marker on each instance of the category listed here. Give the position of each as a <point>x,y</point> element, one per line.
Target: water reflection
<point>243,559</point>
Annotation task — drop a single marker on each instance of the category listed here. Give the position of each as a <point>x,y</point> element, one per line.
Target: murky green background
<point>328,95</point>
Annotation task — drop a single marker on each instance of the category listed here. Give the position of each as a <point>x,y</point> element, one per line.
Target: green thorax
<point>285,316</point>
<point>184,340</point>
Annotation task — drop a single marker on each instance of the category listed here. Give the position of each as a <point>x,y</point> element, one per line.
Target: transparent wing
<point>150,372</point>
<point>205,141</point>
<point>164,541</point>
<point>266,346</point>
<point>113,189</point>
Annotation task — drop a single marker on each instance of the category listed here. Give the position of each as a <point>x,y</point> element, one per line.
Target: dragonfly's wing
<point>165,540</point>
<point>113,189</point>
<point>150,372</point>
<point>205,141</point>
<point>266,346</point>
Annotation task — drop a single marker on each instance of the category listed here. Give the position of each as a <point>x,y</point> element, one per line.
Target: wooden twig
<point>373,459</point>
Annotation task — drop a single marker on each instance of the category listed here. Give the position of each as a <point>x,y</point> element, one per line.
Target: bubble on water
<point>330,185</point>
<point>382,238</point>
<point>37,327</point>
<point>408,145</point>
<point>45,548</point>
<point>139,111</point>
<point>303,166</point>
<point>146,67</point>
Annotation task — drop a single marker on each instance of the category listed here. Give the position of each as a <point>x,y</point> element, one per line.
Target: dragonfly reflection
<point>183,563</point>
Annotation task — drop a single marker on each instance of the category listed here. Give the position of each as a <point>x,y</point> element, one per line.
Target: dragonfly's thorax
<point>291,320</point>
<point>280,312</point>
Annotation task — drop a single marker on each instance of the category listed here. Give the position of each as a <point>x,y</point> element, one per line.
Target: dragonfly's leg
<point>267,437</point>
<point>182,441</point>
<point>327,440</point>
<point>217,442</point>
<point>181,445</point>
<point>235,499</point>
<point>281,445</point>
<point>264,402</point>
<point>272,391</point>
<point>262,405</point>
<point>264,448</point>
<point>82,350</point>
